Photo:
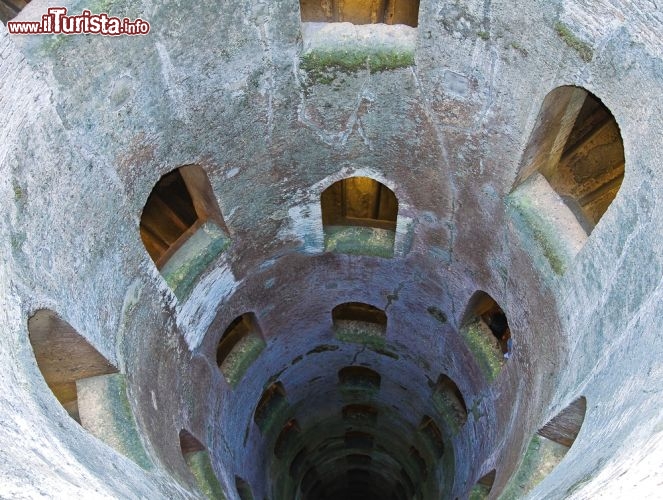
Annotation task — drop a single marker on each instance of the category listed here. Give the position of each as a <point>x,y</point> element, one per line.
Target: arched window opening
<point>487,334</point>
<point>408,483</point>
<point>182,228</point>
<point>64,357</point>
<point>271,407</point>
<point>239,346</point>
<point>481,490</point>
<point>360,323</point>
<point>433,435</point>
<point>287,438</point>
<point>360,414</point>
<point>86,384</point>
<point>357,440</point>
<point>9,9</point>
<point>359,377</point>
<point>361,11</point>
<point>197,459</point>
<point>564,428</point>
<point>298,463</point>
<point>359,217</point>
<point>420,463</point>
<point>358,311</point>
<point>243,489</point>
<point>449,402</point>
<point>547,449</point>
<point>310,481</point>
<point>577,147</point>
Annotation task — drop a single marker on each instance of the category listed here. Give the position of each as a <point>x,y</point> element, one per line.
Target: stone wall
<point>92,123</point>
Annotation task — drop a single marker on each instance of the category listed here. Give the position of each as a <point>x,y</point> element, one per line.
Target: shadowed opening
<point>9,9</point>
<point>64,357</point>
<point>179,204</point>
<point>577,147</point>
<point>239,346</point>
<point>361,11</point>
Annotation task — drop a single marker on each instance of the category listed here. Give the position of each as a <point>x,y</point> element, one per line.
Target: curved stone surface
<point>91,123</point>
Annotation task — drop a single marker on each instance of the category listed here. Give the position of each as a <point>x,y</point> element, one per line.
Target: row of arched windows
<point>66,360</point>
<point>183,230</point>
<point>575,152</point>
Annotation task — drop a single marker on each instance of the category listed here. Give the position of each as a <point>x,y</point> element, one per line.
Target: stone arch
<point>64,357</point>
<point>485,329</point>
<point>576,146</point>
<point>547,449</point>
<point>359,216</point>
<point>239,346</point>
<point>182,228</point>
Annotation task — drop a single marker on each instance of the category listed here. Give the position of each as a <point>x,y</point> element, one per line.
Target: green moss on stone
<point>542,231</point>
<point>485,348</point>
<point>540,459</point>
<point>450,409</point>
<point>271,415</point>
<point>479,492</point>
<point>18,191</point>
<point>360,332</point>
<point>356,240</point>
<point>106,412</point>
<point>245,352</point>
<point>187,264</point>
<point>54,43</point>
<point>319,62</point>
<point>583,49</point>
<point>201,467</point>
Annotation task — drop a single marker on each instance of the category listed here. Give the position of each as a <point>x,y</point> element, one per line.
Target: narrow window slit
<point>487,334</point>
<point>239,346</point>
<point>198,461</point>
<point>287,438</point>
<point>449,402</point>
<point>433,435</point>
<point>271,407</point>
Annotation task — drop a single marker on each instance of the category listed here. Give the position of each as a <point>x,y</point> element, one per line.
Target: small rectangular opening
<point>357,413</point>
<point>9,9</point>
<point>361,11</point>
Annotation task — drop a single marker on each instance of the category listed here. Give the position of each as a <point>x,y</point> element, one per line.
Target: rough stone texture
<point>91,123</point>
<point>191,259</point>
<point>201,468</point>
<point>105,411</point>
